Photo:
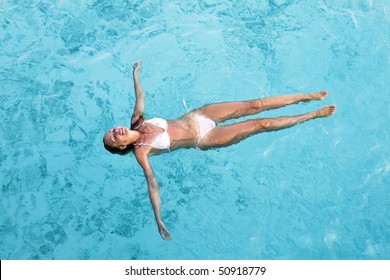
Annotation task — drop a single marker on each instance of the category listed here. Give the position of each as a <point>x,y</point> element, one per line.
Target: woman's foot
<point>318,95</point>
<point>325,111</point>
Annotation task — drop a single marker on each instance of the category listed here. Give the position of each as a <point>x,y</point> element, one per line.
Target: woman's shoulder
<point>142,152</point>
<point>137,120</point>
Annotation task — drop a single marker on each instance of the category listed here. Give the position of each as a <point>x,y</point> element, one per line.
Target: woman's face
<point>117,137</point>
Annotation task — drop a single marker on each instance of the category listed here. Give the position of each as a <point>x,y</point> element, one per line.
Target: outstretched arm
<point>154,195</point>
<point>139,94</point>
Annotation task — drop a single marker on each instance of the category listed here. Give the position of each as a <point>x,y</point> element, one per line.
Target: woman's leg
<point>227,135</point>
<point>221,112</point>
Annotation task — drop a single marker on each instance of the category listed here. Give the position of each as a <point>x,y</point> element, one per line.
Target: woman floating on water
<point>198,129</point>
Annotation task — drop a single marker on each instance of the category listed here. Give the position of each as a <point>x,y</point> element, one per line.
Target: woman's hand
<point>139,93</point>
<point>163,231</point>
<point>154,194</point>
<point>137,66</point>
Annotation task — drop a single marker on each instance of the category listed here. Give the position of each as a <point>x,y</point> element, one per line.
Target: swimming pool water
<point>316,191</point>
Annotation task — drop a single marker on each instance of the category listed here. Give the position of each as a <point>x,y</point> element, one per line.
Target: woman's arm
<point>139,94</point>
<point>154,195</point>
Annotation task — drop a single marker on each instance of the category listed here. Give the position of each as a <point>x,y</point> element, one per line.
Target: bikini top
<point>162,141</point>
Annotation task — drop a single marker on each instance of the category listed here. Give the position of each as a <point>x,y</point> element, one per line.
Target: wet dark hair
<point>122,152</point>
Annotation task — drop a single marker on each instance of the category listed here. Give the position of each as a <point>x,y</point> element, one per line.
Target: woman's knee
<point>256,105</point>
<point>264,124</point>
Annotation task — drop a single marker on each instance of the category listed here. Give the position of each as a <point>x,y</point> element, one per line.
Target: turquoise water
<point>316,191</point>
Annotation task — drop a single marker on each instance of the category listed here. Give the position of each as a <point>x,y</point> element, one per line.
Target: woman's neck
<point>134,137</point>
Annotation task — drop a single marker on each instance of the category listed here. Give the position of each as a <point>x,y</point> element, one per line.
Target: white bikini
<point>163,141</point>
<point>205,125</point>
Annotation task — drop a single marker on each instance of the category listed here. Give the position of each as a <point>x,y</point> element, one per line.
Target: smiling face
<point>118,137</point>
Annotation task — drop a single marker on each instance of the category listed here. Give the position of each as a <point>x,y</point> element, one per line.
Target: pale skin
<point>183,132</point>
